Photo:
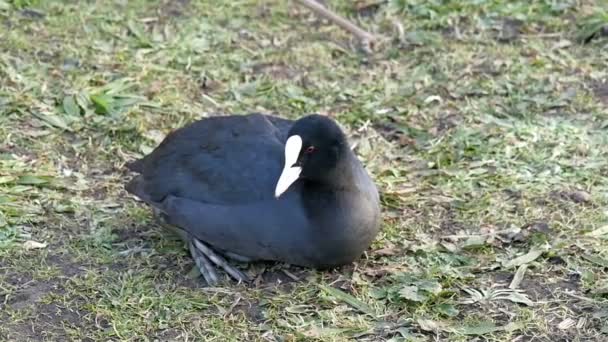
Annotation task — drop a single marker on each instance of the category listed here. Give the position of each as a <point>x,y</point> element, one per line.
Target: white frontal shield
<point>290,173</point>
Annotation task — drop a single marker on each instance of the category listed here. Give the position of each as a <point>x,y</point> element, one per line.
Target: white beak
<point>290,173</point>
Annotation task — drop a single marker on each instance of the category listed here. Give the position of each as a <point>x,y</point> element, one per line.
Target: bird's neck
<point>342,178</point>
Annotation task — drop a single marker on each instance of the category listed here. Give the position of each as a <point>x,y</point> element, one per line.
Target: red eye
<point>310,149</point>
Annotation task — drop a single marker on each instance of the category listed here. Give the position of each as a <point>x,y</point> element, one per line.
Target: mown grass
<point>483,122</point>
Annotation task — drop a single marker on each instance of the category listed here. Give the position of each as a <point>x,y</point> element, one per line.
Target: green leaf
<point>588,276</point>
<point>199,45</point>
<point>432,325</point>
<point>82,98</point>
<point>601,290</point>
<point>447,309</point>
<point>150,104</point>
<point>599,232</point>
<point>53,120</point>
<point>145,149</point>
<point>517,297</point>
<point>102,102</point>
<point>378,293</point>
<point>430,286</point>
<point>532,255</point>
<point>70,106</point>
<point>348,299</point>
<point>298,309</point>
<point>480,328</point>
<point>117,87</point>
<point>487,327</point>
<point>6,179</point>
<point>596,260</point>
<point>319,332</point>
<point>474,241</point>
<point>3,221</point>
<point>412,293</point>
<point>138,33</point>
<point>422,37</point>
<point>518,277</point>
<point>601,313</point>
<point>244,90</point>
<point>126,101</point>
<point>404,335</point>
<point>31,180</point>
<point>64,208</point>
<point>590,26</point>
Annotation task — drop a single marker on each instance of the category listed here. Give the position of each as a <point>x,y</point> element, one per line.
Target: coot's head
<point>314,148</point>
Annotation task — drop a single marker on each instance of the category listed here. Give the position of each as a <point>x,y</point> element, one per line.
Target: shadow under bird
<point>261,188</point>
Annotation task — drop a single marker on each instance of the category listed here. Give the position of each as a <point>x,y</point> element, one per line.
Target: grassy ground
<point>484,122</point>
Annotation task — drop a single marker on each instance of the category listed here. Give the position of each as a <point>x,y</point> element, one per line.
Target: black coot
<point>258,187</point>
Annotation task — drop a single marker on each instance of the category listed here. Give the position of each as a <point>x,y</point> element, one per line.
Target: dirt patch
<point>541,227</point>
<point>173,8</point>
<point>369,8</point>
<point>28,291</point>
<point>169,335</point>
<point>253,311</point>
<point>544,287</point>
<point>565,201</point>
<point>26,314</point>
<point>509,30</point>
<point>16,149</point>
<point>449,225</point>
<point>537,289</point>
<point>576,196</point>
<point>32,294</point>
<point>600,32</point>
<point>47,322</point>
<point>68,268</point>
<point>177,271</point>
<point>275,71</point>
<point>12,284</point>
<point>272,274</point>
<point>394,132</point>
<point>33,14</point>
<point>446,122</point>
<point>560,311</point>
<point>600,90</point>
<point>134,233</point>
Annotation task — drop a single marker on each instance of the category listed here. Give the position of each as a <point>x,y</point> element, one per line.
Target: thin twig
<point>364,36</point>
<point>290,275</point>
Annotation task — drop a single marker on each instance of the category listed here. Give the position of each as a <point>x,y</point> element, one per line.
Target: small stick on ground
<point>365,37</point>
